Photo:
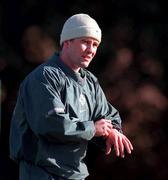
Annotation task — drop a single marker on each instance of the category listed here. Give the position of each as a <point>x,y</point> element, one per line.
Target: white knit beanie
<point>80,25</point>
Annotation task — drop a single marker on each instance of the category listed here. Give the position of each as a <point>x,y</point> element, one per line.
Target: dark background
<point>131,65</point>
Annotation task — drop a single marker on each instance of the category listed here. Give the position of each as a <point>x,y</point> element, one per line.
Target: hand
<point>120,143</point>
<point>103,127</point>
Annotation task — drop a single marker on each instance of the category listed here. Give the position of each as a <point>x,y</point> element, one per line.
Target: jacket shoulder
<point>90,75</point>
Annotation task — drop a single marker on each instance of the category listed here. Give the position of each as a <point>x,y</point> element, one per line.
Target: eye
<point>92,43</point>
<point>85,41</point>
<point>95,44</point>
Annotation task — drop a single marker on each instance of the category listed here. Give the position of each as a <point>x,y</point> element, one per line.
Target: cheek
<point>82,47</point>
<point>78,49</point>
<point>94,52</point>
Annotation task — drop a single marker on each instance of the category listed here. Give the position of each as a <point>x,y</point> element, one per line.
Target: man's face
<point>81,52</point>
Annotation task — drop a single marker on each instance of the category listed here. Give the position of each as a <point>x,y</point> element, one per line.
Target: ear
<point>66,43</point>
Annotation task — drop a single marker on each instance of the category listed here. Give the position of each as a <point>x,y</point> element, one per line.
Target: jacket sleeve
<point>105,110</point>
<point>46,114</point>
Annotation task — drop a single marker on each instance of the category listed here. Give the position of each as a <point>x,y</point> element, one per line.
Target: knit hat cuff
<point>82,31</point>
<point>80,25</point>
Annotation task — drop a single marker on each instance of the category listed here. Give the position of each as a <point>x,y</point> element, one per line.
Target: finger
<point>116,146</point>
<point>110,126</point>
<point>108,147</point>
<point>108,121</point>
<point>108,129</point>
<point>128,145</point>
<point>106,133</point>
<point>121,147</point>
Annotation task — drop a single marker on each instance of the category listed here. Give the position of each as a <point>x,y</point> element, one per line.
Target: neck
<point>66,61</point>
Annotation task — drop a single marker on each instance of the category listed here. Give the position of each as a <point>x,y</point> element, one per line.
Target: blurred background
<point>131,65</point>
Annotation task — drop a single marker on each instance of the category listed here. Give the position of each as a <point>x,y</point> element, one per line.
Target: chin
<point>84,65</point>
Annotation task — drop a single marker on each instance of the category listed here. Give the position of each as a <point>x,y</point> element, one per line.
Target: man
<point>60,107</point>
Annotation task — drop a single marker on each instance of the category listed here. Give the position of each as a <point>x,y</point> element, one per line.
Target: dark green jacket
<point>54,116</point>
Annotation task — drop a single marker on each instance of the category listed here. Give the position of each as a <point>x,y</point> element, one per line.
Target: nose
<point>90,48</point>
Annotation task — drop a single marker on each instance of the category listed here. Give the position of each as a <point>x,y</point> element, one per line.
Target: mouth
<point>87,58</point>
